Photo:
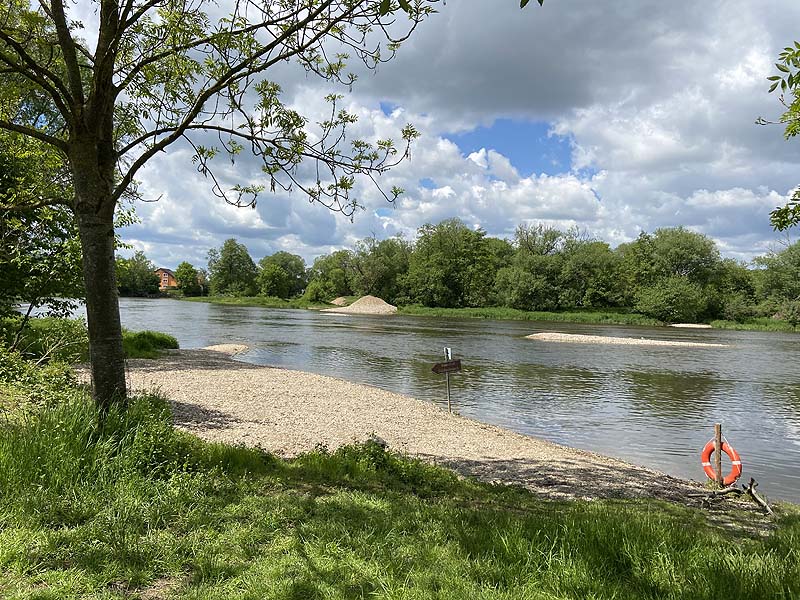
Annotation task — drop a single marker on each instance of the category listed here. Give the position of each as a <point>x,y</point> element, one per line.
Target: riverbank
<point>140,509</point>
<point>588,317</point>
<point>290,412</point>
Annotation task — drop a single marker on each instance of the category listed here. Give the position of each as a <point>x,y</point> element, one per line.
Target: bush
<point>48,338</point>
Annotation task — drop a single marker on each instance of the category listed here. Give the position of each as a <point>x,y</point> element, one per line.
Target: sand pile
<point>340,301</point>
<point>602,339</point>
<point>366,305</point>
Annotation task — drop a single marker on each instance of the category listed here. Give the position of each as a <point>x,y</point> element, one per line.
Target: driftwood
<point>708,498</point>
<point>750,490</point>
<point>717,493</point>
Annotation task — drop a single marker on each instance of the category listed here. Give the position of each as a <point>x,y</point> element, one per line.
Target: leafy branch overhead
<point>788,81</point>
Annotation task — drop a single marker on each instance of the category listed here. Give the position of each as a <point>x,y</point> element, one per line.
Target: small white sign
<point>448,354</point>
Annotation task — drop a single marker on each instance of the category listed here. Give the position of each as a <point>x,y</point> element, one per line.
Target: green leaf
<point>404,4</point>
<point>385,7</point>
<point>523,3</point>
<point>781,67</point>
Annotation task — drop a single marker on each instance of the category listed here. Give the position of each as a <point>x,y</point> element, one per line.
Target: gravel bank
<point>602,339</point>
<point>289,412</point>
<point>366,305</point>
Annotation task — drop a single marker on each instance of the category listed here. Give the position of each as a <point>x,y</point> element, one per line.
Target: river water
<point>655,406</point>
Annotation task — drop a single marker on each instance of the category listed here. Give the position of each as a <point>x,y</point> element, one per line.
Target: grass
<point>135,508</point>
<point>260,301</point>
<point>756,324</point>
<point>610,317</point>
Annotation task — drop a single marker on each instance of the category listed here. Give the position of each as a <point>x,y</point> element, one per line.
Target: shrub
<point>48,338</point>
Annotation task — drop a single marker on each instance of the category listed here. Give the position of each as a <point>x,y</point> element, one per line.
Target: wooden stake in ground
<point>718,454</point>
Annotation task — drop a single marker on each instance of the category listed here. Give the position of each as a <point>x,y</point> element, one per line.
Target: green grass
<point>147,344</point>
<point>498,313</point>
<point>260,301</point>
<point>756,324</point>
<point>134,506</point>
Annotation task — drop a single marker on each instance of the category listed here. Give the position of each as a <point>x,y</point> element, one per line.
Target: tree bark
<point>102,309</point>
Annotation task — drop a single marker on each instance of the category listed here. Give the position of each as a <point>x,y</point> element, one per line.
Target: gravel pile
<point>366,305</point>
<point>288,412</point>
<point>602,339</point>
<point>340,301</point>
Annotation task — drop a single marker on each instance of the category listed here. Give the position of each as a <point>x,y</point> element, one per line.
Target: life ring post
<point>718,453</point>
<point>717,446</point>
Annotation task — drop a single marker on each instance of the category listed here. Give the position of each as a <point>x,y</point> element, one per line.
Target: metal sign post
<point>445,368</point>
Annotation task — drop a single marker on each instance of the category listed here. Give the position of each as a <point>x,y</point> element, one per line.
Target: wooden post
<point>718,453</point>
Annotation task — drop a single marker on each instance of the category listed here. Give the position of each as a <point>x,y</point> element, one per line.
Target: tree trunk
<point>102,308</point>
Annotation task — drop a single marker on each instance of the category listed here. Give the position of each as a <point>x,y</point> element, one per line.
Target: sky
<point>614,117</point>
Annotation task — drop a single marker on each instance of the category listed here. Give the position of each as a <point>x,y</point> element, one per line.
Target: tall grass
<point>147,344</point>
<point>259,301</point>
<point>756,324</point>
<point>499,313</point>
<point>134,508</point>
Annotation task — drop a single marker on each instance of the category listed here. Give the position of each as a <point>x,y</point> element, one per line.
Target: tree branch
<point>68,50</point>
<point>34,133</point>
<point>36,73</point>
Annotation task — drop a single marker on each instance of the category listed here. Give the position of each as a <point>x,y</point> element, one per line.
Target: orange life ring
<point>736,462</point>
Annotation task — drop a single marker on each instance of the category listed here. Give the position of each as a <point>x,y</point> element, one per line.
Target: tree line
<point>671,274</point>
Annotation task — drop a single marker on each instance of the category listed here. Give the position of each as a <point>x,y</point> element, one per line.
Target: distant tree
<point>282,274</point>
<point>672,300</point>
<point>531,280</point>
<point>378,266</point>
<point>331,276</point>
<point>450,266</point>
<point>188,279</point>
<point>136,276</point>
<point>231,270</point>
<point>589,275</point>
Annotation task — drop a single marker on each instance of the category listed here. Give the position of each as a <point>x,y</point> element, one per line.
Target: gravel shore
<point>290,412</point>
<point>574,338</point>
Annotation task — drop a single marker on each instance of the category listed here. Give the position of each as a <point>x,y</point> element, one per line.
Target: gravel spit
<point>290,412</point>
<point>602,339</point>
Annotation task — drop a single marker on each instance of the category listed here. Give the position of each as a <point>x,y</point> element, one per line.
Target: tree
<point>164,71</point>
<point>450,266</point>
<point>282,274</point>
<point>188,279</point>
<point>331,276</point>
<point>378,267</point>
<point>136,276</point>
<point>40,262</point>
<point>231,271</point>
<point>672,299</point>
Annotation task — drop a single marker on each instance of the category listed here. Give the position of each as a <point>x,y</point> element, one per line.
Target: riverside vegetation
<point>672,275</point>
<point>128,506</point>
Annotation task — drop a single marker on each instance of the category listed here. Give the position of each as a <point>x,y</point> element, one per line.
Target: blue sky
<point>571,115</point>
<point>532,147</point>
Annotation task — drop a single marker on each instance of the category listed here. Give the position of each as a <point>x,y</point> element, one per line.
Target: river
<point>655,406</point>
